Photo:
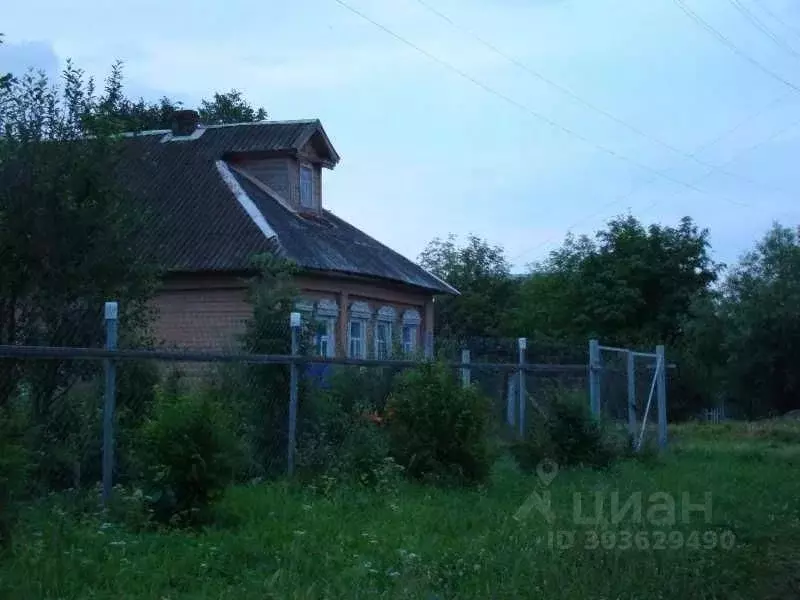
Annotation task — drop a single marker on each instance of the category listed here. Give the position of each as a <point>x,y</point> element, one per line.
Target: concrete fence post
<point>661,394</point>
<point>522,344</point>
<point>466,375</point>
<point>594,377</point>
<point>294,323</point>
<point>110,400</point>
<point>631,395</point>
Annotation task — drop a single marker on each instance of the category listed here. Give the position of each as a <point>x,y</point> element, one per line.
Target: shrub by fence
<point>115,413</point>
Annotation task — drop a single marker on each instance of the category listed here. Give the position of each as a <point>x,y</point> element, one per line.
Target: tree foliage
<point>759,312</point>
<point>125,114</point>
<point>734,341</point>
<point>258,393</point>
<point>481,273</point>
<point>632,284</point>
<point>65,248</point>
<point>65,224</point>
<point>229,107</point>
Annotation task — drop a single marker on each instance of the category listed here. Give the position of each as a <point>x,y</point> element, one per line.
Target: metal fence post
<point>594,377</point>
<point>632,395</point>
<point>110,400</point>
<point>294,322</point>
<point>465,371</point>
<point>661,374</point>
<point>522,344</point>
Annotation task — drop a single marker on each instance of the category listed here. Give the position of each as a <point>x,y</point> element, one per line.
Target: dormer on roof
<point>290,168</point>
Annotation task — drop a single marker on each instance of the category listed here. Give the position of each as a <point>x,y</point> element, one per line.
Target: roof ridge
<point>266,122</point>
<point>221,125</point>
<point>145,132</point>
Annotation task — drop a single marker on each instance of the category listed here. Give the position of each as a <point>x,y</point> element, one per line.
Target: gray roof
<point>194,222</point>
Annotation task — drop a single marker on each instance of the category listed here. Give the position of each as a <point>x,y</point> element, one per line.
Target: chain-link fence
<point>80,413</point>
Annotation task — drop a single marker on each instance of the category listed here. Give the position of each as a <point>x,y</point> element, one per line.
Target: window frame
<point>327,311</point>
<point>385,319</point>
<point>329,337</point>
<point>306,167</point>
<point>411,322</point>
<point>361,339</point>
<point>387,343</point>
<point>410,346</point>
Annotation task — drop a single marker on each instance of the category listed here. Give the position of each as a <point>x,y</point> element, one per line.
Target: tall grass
<point>284,541</point>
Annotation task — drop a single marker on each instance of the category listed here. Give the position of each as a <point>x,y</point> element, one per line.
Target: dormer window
<point>306,187</point>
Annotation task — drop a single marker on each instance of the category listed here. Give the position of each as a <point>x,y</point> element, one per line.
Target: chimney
<point>184,122</point>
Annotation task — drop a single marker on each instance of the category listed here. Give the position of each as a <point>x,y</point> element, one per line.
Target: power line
<point>733,47</point>
<point>772,14</point>
<point>737,156</point>
<point>525,108</point>
<point>586,103</point>
<point>762,27</point>
<point>701,148</point>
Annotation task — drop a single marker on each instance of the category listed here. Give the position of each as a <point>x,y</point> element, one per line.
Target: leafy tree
<point>125,114</point>
<point>762,326</point>
<point>259,393</point>
<point>700,359</point>
<point>481,273</point>
<point>229,107</point>
<point>65,231</point>
<point>631,284</point>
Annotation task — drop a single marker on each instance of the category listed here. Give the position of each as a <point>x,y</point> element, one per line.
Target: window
<point>409,338</point>
<point>357,346</point>
<point>411,323</point>
<point>325,319</point>
<point>306,186</point>
<point>383,339</point>
<point>386,317</point>
<point>324,341</point>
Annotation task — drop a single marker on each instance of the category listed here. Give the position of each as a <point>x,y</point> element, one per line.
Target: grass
<point>283,541</point>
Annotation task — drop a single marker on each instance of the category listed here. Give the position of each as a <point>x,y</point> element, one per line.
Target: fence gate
<point>628,387</point>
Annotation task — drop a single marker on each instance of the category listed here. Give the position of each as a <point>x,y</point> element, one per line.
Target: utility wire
<point>762,27</point>
<point>733,47</point>
<point>586,103</point>
<point>777,17</point>
<point>735,158</point>
<point>702,148</point>
<point>527,109</point>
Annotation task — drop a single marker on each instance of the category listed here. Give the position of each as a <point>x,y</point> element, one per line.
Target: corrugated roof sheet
<point>194,223</point>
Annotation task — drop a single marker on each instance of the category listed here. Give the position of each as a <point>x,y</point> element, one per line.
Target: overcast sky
<point>494,150</point>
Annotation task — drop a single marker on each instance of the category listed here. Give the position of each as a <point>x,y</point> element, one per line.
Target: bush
<point>438,429</point>
<point>189,455</point>
<point>569,435</point>
<point>13,471</point>
<point>342,436</point>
